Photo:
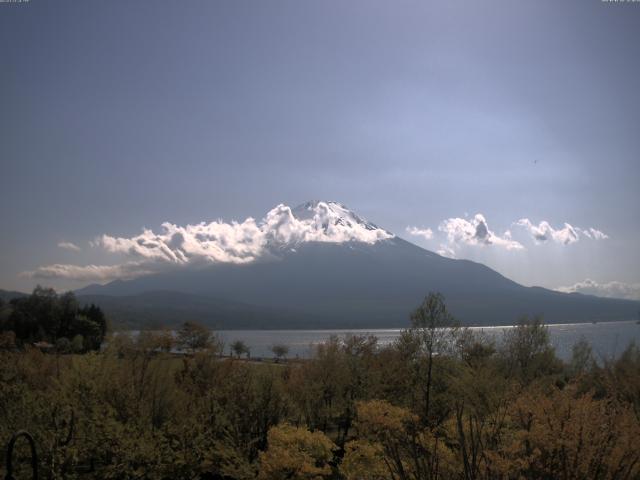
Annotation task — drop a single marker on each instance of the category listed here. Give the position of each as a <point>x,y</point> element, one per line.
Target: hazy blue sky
<point>120,115</point>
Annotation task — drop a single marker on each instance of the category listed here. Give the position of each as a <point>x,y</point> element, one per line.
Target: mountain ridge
<point>318,265</point>
<point>378,285</point>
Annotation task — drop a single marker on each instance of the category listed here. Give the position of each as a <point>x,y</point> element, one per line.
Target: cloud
<point>426,233</point>
<point>614,289</point>
<point>214,242</point>
<point>244,242</point>
<point>476,232</point>
<point>568,234</point>
<point>69,246</point>
<point>98,273</point>
<point>446,251</point>
<point>222,242</point>
<point>593,233</point>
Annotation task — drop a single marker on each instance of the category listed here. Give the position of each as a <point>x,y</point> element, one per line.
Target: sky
<point>498,131</point>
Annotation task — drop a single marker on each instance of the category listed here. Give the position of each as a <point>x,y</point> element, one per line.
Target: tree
<point>77,344</point>
<point>47,316</point>
<point>581,358</point>
<point>95,314</point>
<point>622,376</point>
<point>5,313</point>
<point>565,435</point>
<point>154,342</point>
<point>193,336</point>
<point>320,385</point>
<point>435,329</point>
<point>165,340</point>
<point>90,331</point>
<point>7,340</point>
<point>527,350</point>
<point>297,454</point>
<point>280,351</point>
<point>240,348</point>
<point>474,349</point>
<point>390,439</point>
<point>63,345</point>
<point>67,309</point>
<point>364,460</point>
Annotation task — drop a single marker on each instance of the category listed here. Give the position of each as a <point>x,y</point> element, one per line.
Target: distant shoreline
<point>370,330</point>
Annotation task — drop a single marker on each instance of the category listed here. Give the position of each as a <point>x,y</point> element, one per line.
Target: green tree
<point>240,348</point>
<point>77,344</point>
<point>581,358</point>
<point>90,331</point>
<point>527,351</point>
<point>193,336</point>
<point>63,345</point>
<point>96,315</point>
<point>280,351</point>
<point>45,315</point>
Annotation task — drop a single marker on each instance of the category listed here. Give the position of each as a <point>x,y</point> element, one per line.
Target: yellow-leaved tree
<point>563,435</point>
<point>296,453</point>
<point>393,444</point>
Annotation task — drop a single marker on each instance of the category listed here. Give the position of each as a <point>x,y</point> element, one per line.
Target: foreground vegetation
<point>438,403</point>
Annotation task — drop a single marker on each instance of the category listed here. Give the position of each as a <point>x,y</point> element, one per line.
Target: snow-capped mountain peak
<point>320,221</point>
<point>333,212</point>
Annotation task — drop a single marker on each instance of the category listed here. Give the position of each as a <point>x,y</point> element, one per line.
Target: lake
<point>608,339</point>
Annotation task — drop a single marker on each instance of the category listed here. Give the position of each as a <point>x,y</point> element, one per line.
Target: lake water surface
<point>608,339</point>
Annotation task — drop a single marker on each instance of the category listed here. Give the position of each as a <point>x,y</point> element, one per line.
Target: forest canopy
<point>51,318</point>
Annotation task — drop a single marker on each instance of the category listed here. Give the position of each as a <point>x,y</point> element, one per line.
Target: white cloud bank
<point>593,233</point>
<point>425,233</point>
<point>460,231</point>
<point>218,241</point>
<point>446,251</point>
<point>629,291</point>
<point>89,273</point>
<point>476,232</point>
<point>544,232</point>
<point>69,246</point>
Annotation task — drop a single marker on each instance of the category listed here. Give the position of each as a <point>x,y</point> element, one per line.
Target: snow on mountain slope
<point>334,223</point>
<point>336,214</point>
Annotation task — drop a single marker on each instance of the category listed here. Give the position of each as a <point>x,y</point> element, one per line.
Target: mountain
<point>324,266</point>
<point>7,295</point>
<point>159,308</point>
